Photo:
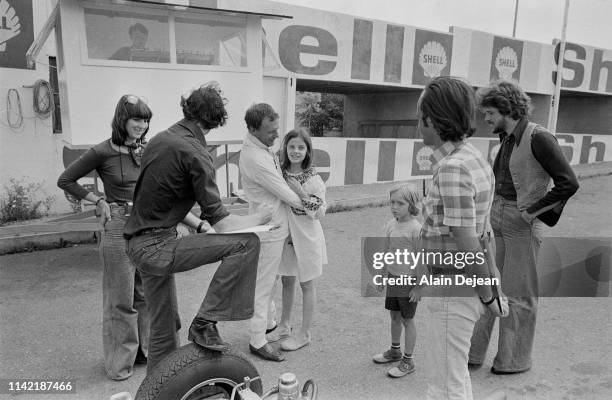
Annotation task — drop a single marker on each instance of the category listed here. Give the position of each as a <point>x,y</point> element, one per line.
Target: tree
<point>319,112</point>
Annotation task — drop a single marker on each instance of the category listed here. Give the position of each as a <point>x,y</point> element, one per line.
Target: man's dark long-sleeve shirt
<point>547,152</point>
<point>176,172</point>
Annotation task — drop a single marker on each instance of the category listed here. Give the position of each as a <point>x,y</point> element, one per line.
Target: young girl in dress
<point>402,232</point>
<point>304,253</point>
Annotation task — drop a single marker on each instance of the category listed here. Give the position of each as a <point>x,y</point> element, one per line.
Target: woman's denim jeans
<point>125,322</point>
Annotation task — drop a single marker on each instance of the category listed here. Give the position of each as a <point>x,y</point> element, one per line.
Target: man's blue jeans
<point>160,254</point>
<point>517,243</point>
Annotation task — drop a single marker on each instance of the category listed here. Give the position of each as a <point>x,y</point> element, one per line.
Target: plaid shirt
<point>461,189</point>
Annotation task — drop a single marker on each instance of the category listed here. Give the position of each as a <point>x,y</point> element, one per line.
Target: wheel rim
<point>216,388</point>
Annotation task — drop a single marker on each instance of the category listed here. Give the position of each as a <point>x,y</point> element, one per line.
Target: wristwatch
<point>486,303</point>
<point>199,228</point>
<point>97,203</point>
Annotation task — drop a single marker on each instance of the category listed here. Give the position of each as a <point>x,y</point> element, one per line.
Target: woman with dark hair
<point>304,252</point>
<point>125,323</point>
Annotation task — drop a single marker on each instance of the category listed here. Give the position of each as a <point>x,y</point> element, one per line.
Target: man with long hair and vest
<point>529,158</point>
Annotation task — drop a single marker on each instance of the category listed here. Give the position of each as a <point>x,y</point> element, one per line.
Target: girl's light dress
<point>304,252</point>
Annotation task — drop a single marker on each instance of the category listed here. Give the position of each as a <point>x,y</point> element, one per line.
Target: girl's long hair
<point>127,110</point>
<point>296,133</point>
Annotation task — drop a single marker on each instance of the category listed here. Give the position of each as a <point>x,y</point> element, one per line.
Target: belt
<point>125,205</point>
<point>445,271</point>
<point>500,197</point>
<point>144,232</point>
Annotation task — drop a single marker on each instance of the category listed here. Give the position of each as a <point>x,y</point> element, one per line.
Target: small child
<point>402,232</point>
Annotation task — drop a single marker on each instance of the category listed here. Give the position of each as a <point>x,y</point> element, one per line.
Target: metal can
<point>288,387</point>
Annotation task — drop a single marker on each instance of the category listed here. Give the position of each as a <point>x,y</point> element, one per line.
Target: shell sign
<point>16,32</point>
<point>432,55</point>
<point>506,59</point>
<point>422,160</point>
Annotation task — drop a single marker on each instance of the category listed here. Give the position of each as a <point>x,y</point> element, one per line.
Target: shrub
<point>21,201</point>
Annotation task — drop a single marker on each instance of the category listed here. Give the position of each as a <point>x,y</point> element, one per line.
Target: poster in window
<point>16,32</point>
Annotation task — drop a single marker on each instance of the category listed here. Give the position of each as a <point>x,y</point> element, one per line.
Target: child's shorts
<point>397,299</point>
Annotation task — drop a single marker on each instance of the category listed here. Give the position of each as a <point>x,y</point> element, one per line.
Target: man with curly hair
<point>528,159</point>
<point>177,172</point>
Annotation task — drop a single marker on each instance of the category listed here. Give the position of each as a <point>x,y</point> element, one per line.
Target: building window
<point>126,36</point>
<point>207,42</point>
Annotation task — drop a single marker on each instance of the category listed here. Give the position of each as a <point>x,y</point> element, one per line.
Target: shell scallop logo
<point>506,62</point>
<point>432,59</point>
<point>423,158</point>
<point>9,24</point>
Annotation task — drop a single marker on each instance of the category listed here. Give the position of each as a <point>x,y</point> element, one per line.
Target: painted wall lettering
<point>290,47</point>
<point>587,145</point>
<point>362,49</point>
<point>393,54</point>
<point>568,151</point>
<point>322,161</point>
<point>355,154</point>
<point>575,66</point>
<point>598,65</point>
<point>386,161</point>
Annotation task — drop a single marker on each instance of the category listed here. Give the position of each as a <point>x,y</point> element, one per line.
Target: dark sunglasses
<point>132,99</point>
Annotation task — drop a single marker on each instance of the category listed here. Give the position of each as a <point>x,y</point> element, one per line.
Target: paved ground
<point>50,308</point>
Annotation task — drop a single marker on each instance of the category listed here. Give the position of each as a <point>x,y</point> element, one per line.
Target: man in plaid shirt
<point>456,205</point>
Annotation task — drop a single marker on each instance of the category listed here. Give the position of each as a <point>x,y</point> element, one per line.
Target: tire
<point>190,366</point>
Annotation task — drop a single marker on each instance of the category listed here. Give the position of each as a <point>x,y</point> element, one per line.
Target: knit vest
<point>530,180</point>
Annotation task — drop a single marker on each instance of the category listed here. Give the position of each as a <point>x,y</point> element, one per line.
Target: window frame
<point>171,15</point>
<point>216,18</point>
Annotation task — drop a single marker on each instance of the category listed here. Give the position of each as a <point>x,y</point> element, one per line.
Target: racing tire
<point>195,373</point>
